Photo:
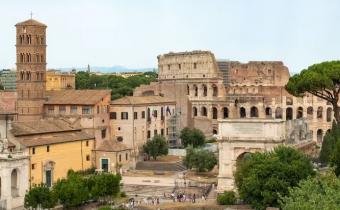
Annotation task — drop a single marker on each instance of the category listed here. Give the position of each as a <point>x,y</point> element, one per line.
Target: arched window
<point>22,75</point>
<point>194,110</point>
<point>42,76</point>
<point>310,112</point>
<point>289,113</point>
<point>254,112</point>
<point>299,113</point>
<point>268,112</point>
<point>37,76</point>
<point>214,113</point>
<point>27,75</point>
<point>196,90</point>
<point>289,101</point>
<point>204,111</point>
<point>188,90</point>
<point>319,112</point>
<point>215,132</point>
<point>319,136</point>
<point>14,183</point>
<point>215,90</point>
<point>225,113</point>
<point>278,113</point>
<point>205,90</point>
<point>41,58</point>
<point>243,113</point>
<point>329,114</point>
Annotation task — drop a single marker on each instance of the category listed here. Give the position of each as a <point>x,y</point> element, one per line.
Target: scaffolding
<point>173,134</point>
<point>224,67</point>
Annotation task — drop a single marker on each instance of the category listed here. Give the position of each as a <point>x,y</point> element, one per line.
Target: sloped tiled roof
<point>79,97</point>
<point>130,100</point>
<point>41,126</point>
<point>30,22</point>
<point>111,146</point>
<point>77,136</point>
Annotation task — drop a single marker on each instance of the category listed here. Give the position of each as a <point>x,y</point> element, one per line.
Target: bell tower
<point>31,69</point>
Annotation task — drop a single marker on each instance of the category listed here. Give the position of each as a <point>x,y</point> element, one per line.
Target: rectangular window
<point>168,67</point>
<point>155,132</point>
<point>51,110</point>
<point>86,110</point>
<point>195,65</point>
<point>48,148</point>
<point>33,166</point>
<point>113,115</point>
<point>87,143</point>
<point>33,150</point>
<point>87,157</point>
<point>48,175</point>
<point>143,114</point>
<point>155,113</point>
<point>97,109</point>
<point>179,66</point>
<point>120,158</point>
<point>167,131</point>
<point>74,110</point>
<point>126,156</point>
<point>162,132</point>
<point>135,115</point>
<point>103,133</point>
<point>124,116</point>
<point>62,109</point>
<point>149,134</point>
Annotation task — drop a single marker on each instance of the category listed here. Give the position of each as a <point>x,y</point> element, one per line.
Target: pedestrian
<point>183,198</point>
<point>157,200</point>
<point>194,199</point>
<point>202,197</point>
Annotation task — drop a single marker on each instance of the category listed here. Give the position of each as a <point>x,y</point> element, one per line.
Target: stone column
<point>6,182</point>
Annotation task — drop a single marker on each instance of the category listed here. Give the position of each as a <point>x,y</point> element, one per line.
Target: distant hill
<point>112,69</point>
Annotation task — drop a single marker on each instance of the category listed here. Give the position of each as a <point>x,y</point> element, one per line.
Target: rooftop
<point>84,97</point>
<point>30,22</point>
<point>135,100</point>
<point>41,126</point>
<point>77,136</point>
<point>111,146</point>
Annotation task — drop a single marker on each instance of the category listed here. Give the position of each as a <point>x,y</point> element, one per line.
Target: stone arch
<point>225,112</point>
<point>243,156</point>
<point>204,111</point>
<point>319,112</point>
<point>205,90</point>
<point>310,112</point>
<point>289,101</point>
<point>215,132</point>
<point>329,114</point>
<point>268,112</point>
<point>194,111</point>
<point>14,183</point>
<point>148,93</point>
<point>195,90</point>
<point>289,113</point>
<point>215,90</point>
<point>243,112</point>
<point>319,136</point>
<point>278,113</point>
<point>254,112</point>
<point>299,113</point>
<point>214,113</point>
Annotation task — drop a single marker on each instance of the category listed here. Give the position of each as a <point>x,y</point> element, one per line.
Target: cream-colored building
<point>134,120</point>
<point>58,80</point>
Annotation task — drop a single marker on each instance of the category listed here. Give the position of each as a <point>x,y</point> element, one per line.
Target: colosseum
<point>206,89</point>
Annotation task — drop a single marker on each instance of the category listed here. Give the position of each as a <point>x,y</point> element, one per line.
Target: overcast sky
<point>132,33</point>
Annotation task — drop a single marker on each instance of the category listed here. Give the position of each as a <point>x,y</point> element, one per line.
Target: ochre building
<point>58,80</point>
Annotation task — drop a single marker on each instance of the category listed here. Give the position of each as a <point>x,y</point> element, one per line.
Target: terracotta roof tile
<point>85,97</point>
<point>41,126</point>
<point>130,100</point>
<point>77,136</point>
<point>111,146</point>
<point>30,22</point>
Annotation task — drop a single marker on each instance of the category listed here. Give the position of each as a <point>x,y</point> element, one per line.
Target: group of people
<point>182,198</point>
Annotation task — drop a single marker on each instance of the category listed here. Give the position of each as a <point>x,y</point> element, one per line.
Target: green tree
<point>329,142</point>
<point>227,198</point>
<point>319,193</point>
<point>194,137</point>
<point>1,87</point>
<point>200,159</point>
<point>106,186</point>
<point>335,159</point>
<point>321,80</point>
<point>261,176</point>
<point>39,195</point>
<point>156,147</point>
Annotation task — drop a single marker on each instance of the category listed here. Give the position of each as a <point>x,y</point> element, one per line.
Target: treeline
<point>119,85</point>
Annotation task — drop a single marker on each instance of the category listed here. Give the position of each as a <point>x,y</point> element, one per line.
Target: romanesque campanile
<point>31,69</point>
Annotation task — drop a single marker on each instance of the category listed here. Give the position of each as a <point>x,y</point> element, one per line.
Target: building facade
<point>134,120</point>
<point>57,80</point>
<point>8,79</point>
<point>31,69</point>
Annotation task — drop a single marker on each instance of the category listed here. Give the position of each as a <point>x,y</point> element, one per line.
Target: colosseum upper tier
<point>206,89</point>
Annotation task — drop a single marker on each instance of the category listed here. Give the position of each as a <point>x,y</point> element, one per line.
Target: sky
<point>132,33</point>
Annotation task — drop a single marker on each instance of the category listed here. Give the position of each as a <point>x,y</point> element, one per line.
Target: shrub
<point>122,194</point>
<point>211,140</point>
<point>227,198</point>
<point>105,208</point>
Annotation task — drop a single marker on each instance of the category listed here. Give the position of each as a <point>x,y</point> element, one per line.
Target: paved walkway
<point>170,182</point>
